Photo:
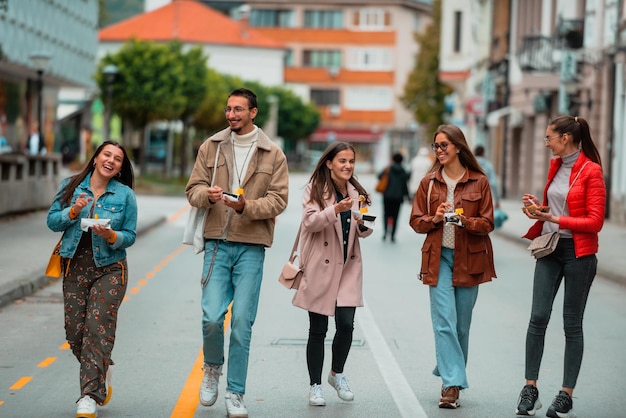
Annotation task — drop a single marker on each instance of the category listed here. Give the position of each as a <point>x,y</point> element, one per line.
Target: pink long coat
<point>328,282</point>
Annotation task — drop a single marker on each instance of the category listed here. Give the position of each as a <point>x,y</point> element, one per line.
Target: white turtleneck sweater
<point>244,147</point>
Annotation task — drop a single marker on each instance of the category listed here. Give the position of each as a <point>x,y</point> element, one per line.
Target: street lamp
<point>110,72</point>
<point>40,62</point>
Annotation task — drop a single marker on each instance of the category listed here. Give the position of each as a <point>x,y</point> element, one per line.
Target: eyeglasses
<point>236,110</point>
<point>548,138</point>
<point>442,145</point>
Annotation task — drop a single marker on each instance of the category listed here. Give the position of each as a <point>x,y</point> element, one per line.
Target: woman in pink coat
<point>332,283</point>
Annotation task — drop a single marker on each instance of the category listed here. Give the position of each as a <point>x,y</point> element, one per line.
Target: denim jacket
<point>118,203</point>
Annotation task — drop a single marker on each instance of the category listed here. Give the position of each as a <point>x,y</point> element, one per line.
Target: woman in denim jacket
<point>94,263</point>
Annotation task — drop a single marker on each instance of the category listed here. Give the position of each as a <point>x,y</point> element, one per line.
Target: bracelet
<point>73,214</point>
<point>113,237</point>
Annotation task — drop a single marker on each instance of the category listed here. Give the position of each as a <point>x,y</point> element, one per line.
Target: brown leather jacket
<point>473,253</point>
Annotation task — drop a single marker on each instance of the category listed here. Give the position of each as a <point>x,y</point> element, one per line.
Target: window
<point>271,18</point>
<point>369,98</point>
<point>458,20</point>
<point>372,19</point>
<point>325,97</point>
<point>372,59</point>
<point>329,19</point>
<point>321,58</point>
<point>288,58</point>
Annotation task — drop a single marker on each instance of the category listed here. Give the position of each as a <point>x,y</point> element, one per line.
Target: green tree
<point>149,85</point>
<point>209,118</point>
<point>424,93</point>
<point>194,89</point>
<point>296,119</point>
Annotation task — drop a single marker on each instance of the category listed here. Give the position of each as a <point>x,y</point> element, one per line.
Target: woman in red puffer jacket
<point>575,200</point>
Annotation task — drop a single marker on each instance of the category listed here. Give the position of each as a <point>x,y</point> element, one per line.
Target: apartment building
<point>351,58</point>
<point>544,58</point>
<point>44,46</point>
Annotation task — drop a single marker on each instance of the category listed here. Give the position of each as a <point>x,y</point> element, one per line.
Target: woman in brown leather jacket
<point>453,207</point>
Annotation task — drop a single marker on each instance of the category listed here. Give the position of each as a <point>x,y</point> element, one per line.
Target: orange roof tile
<point>187,21</point>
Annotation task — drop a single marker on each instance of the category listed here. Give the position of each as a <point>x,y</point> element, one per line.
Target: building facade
<point>63,31</point>
<point>352,59</point>
<point>545,58</point>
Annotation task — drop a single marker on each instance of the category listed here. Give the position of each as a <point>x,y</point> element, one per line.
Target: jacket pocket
<point>477,261</point>
<point>114,212</point>
<point>470,202</point>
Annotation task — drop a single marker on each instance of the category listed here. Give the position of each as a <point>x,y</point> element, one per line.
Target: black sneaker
<point>561,406</point>
<point>528,402</point>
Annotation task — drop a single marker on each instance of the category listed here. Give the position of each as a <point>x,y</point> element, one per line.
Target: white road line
<point>402,394</point>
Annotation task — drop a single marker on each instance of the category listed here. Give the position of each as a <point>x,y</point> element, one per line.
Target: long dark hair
<point>456,137</point>
<point>125,176</point>
<point>321,181</point>
<point>578,128</point>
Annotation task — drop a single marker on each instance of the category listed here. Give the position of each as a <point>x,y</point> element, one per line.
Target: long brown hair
<point>322,184</point>
<point>125,176</point>
<point>456,137</point>
<point>579,129</point>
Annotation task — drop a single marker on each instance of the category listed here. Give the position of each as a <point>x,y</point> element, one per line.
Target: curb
<point>28,284</point>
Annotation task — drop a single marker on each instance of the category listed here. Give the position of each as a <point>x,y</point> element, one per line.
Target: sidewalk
<point>611,258</point>
<point>26,243</point>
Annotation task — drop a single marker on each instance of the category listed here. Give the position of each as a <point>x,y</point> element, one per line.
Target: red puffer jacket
<point>586,202</point>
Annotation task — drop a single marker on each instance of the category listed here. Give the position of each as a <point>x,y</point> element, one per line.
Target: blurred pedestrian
<point>332,283</point>
<point>94,263</point>
<point>576,195</point>
<point>420,165</point>
<point>393,196</point>
<point>241,178</point>
<point>454,208</point>
<point>35,143</point>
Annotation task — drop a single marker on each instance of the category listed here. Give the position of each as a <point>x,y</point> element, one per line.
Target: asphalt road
<point>157,352</point>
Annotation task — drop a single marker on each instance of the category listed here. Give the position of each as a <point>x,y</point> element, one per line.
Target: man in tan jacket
<point>241,178</point>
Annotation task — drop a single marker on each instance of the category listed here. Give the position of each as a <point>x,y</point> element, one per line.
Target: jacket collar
<point>264,142</point>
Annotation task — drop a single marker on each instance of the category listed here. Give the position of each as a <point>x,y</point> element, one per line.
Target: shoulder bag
<point>545,244</point>
<point>194,229</point>
<point>54,264</point>
<point>383,182</point>
<point>291,274</point>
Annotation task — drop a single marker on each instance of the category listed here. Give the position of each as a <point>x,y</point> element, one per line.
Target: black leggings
<point>391,209</point>
<point>318,325</point>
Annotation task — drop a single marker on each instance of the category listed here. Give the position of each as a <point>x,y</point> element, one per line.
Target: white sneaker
<point>340,383</point>
<point>235,408</point>
<point>316,397</point>
<point>210,381</point>
<point>86,408</point>
<point>109,384</point>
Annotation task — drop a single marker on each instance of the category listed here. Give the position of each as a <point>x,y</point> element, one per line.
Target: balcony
<point>537,54</point>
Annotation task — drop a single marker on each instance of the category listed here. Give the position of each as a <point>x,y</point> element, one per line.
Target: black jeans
<point>391,209</point>
<point>549,271</point>
<point>318,325</point>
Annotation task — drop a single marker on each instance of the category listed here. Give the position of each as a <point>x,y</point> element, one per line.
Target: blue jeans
<point>549,271</point>
<point>451,313</point>
<point>234,272</point>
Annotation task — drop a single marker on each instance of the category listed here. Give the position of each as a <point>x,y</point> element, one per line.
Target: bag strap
<point>217,156</point>
<point>573,181</point>
<point>293,255</point>
<point>430,189</point>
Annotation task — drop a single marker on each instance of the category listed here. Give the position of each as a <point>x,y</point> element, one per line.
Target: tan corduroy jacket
<point>265,184</point>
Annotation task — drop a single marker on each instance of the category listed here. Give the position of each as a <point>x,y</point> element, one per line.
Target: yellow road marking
<point>65,346</point>
<point>47,362</point>
<point>190,395</point>
<point>178,213</point>
<point>21,382</point>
